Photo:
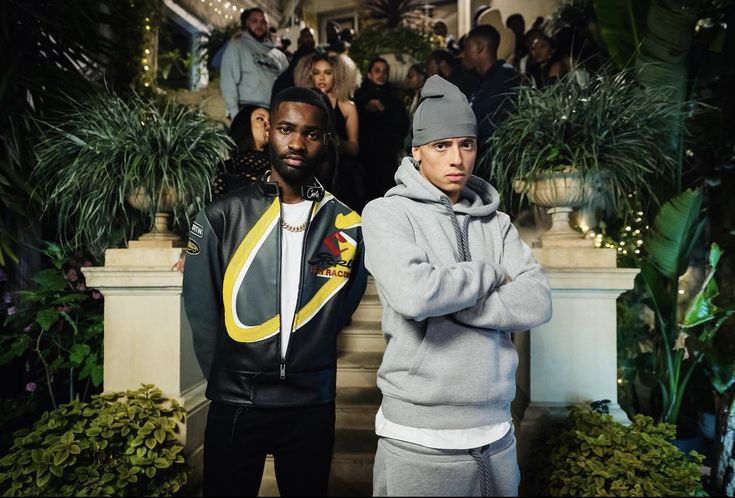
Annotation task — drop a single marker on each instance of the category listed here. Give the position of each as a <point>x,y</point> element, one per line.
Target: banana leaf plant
<point>658,38</point>
<point>682,342</point>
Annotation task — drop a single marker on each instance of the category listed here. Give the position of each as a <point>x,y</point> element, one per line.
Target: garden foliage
<point>592,455</point>
<point>118,444</point>
<point>56,329</point>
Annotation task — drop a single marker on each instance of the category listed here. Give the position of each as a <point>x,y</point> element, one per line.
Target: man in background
<point>250,64</point>
<point>494,96</point>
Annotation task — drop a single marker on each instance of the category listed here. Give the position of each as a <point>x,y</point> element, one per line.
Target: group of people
<point>371,118</point>
<point>277,264</point>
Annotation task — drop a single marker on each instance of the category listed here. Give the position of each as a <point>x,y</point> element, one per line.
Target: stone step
<point>352,465</point>
<point>361,336</point>
<point>369,310</point>
<point>356,407</point>
<point>357,369</point>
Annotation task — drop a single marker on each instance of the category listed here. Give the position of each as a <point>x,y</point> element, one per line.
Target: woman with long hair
<point>337,77</point>
<point>248,158</point>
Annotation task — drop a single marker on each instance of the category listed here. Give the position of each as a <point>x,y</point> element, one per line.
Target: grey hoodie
<point>441,270</point>
<point>248,70</point>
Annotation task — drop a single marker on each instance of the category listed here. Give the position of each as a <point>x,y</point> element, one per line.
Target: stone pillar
<point>573,357</point>
<point>147,338</point>
<point>464,17</point>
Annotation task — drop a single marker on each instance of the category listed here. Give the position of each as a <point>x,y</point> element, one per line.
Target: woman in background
<point>337,77</point>
<point>384,123</point>
<point>248,159</point>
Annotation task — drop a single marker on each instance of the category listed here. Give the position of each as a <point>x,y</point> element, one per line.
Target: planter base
<point>160,235</point>
<point>561,234</point>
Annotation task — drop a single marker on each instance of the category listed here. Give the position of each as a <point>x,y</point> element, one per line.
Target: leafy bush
<point>592,455</point>
<point>369,44</point>
<point>605,126</point>
<point>119,444</point>
<point>97,153</point>
<point>56,329</point>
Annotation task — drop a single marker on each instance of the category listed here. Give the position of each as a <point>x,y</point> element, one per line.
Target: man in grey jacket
<point>250,64</point>
<point>454,280</point>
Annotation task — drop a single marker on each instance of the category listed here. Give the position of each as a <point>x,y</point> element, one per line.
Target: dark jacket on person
<point>494,98</point>
<point>232,296</point>
<point>381,136</point>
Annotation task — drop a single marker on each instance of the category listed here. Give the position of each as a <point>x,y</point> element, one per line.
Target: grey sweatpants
<point>406,469</point>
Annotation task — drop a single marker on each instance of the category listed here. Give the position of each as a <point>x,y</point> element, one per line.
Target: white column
<point>147,337</point>
<point>464,17</point>
<point>573,357</point>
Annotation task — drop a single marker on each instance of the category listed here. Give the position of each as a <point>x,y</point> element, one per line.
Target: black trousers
<point>237,440</point>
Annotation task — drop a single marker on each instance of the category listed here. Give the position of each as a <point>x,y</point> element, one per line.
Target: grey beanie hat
<point>443,113</point>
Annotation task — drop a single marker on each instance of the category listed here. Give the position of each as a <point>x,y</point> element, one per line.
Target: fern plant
<point>91,158</point>
<point>604,126</point>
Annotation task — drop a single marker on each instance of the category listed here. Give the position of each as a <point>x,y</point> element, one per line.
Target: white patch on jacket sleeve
<point>197,230</point>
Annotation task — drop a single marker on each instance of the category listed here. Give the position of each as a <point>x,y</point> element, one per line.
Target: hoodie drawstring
<point>463,245</point>
<point>466,237</point>
<point>480,456</point>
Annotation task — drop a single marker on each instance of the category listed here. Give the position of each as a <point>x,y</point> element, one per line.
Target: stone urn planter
<point>160,232</point>
<point>560,193</point>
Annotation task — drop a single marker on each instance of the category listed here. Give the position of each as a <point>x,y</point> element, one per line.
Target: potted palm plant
<point>602,136</point>
<point>396,31</point>
<point>106,155</point>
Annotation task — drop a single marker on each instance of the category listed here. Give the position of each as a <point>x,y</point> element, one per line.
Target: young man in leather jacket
<point>274,271</point>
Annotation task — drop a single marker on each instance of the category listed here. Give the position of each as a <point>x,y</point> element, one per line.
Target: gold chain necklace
<point>292,228</point>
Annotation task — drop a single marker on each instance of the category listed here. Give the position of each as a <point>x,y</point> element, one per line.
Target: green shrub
<point>55,328</point>
<point>370,44</point>
<point>119,444</point>
<point>592,455</point>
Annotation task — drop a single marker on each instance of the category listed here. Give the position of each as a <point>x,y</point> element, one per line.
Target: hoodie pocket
<point>416,363</point>
<point>460,365</point>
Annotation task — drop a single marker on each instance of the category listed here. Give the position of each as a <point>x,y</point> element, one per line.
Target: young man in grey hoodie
<point>454,280</point>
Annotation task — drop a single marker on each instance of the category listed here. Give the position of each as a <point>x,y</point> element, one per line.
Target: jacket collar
<point>312,191</point>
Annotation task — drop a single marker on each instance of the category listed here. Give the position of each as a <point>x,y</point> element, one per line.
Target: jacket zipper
<point>278,284</point>
<point>284,356</point>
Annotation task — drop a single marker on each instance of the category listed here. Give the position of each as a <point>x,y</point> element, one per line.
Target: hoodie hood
<point>479,198</point>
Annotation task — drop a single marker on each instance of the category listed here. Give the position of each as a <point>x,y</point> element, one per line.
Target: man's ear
<point>416,153</point>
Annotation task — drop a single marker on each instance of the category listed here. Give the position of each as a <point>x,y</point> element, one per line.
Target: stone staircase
<point>361,347</point>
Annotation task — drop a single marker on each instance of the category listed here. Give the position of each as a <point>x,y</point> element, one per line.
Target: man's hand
<point>179,265</point>
<point>375,105</point>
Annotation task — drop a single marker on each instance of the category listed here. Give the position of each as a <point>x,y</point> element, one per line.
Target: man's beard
<point>259,38</point>
<point>294,176</point>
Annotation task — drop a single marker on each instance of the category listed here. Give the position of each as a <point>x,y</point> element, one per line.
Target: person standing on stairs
<point>455,280</point>
<point>274,271</point>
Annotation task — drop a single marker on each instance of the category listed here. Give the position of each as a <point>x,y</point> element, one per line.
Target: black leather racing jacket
<point>232,296</point>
